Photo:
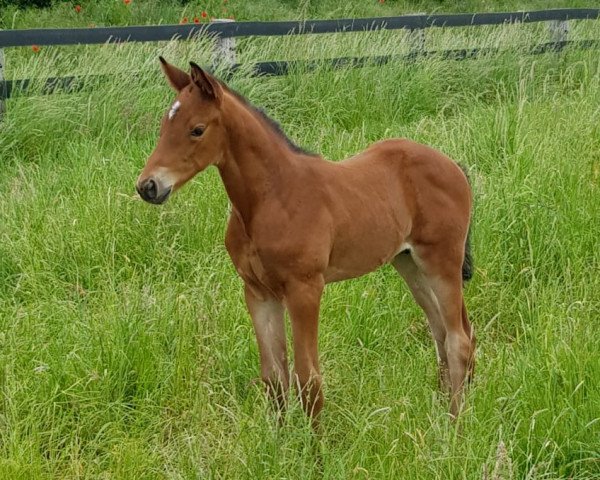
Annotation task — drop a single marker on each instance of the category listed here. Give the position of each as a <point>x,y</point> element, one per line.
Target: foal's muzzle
<point>151,191</point>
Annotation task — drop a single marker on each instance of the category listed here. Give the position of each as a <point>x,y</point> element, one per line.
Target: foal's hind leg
<point>435,278</point>
<point>426,299</point>
<point>441,265</point>
<point>459,346</point>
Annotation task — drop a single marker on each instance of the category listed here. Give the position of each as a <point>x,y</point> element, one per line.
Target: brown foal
<point>299,222</point>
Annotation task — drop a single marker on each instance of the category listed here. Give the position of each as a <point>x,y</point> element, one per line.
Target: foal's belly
<point>351,259</point>
<point>336,273</point>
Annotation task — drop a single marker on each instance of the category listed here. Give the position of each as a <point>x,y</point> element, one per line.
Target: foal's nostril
<point>151,189</point>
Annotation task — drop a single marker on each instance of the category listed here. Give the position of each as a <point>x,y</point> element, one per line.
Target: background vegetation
<point>129,12</point>
<point>125,347</point>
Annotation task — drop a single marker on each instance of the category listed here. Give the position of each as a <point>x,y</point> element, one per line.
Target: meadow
<point>125,347</point>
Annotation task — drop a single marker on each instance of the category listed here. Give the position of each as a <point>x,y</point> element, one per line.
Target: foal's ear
<point>208,84</point>
<point>177,78</point>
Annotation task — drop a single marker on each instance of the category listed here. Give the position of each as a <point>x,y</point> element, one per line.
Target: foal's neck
<point>257,164</point>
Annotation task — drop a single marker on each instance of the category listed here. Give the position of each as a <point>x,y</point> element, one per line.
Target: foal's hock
<point>299,222</point>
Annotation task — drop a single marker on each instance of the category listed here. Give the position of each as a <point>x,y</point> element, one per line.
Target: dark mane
<point>269,121</point>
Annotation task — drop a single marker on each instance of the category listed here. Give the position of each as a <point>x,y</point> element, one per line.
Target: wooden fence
<point>225,33</point>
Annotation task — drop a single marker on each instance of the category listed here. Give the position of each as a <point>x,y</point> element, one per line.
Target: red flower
<point>126,2</point>
<point>196,20</point>
<point>204,14</point>
<point>35,48</point>
<point>77,8</point>
<point>184,20</point>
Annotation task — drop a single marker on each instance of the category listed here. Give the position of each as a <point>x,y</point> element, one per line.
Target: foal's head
<point>191,134</point>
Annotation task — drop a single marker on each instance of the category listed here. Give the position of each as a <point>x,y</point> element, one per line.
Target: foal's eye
<point>197,131</point>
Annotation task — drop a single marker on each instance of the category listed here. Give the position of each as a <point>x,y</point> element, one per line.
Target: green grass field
<point>125,348</point>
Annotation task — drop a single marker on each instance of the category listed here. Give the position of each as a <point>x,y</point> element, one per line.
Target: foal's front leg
<point>303,300</point>
<point>268,320</point>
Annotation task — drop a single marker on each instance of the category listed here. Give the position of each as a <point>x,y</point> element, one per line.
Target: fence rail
<point>226,32</point>
<point>77,83</point>
<point>153,33</point>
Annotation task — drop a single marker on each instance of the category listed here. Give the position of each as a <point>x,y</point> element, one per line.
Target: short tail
<point>467,267</point>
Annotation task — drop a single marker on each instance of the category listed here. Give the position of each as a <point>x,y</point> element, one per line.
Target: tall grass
<point>125,347</point>
<point>117,12</point>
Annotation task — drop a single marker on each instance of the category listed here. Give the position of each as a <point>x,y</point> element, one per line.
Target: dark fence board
<point>75,36</point>
<point>77,83</point>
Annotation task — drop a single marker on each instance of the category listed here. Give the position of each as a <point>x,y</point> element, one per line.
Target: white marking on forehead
<point>174,109</point>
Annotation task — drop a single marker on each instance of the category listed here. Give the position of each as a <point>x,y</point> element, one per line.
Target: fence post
<point>416,39</point>
<point>224,52</point>
<point>559,30</point>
